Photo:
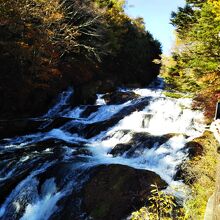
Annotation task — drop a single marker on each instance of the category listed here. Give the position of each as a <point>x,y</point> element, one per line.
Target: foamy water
<point>161,117</point>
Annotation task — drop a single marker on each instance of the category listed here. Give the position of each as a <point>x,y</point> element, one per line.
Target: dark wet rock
<point>94,129</point>
<point>139,142</point>
<point>170,135</point>
<point>71,204</point>
<point>54,144</point>
<point>60,171</point>
<point>54,123</point>
<point>90,130</point>
<point>89,109</point>
<point>146,120</point>
<point>17,127</point>
<point>119,133</point>
<point>10,128</point>
<point>86,93</point>
<point>82,151</point>
<point>64,171</point>
<point>194,149</point>
<point>120,149</point>
<point>180,173</point>
<point>107,85</point>
<point>35,156</point>
<point>22,170</point>
<point>119,97</point>
<point>8,185</point>
<point>114,191</point>
<point>26,196</point>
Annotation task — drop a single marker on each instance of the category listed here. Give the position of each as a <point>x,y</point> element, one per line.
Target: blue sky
<point>156,14</point>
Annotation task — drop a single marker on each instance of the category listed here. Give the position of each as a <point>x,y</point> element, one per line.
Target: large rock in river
<point>119,97</point>
<point>114,191</point>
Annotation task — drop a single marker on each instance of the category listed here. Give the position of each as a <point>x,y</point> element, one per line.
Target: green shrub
<point>162,206</point>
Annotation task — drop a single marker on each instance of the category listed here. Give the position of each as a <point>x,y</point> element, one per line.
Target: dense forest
<point>195,63</point>
<point>89,45</point>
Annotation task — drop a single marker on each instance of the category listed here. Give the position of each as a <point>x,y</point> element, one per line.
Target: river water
<point>145,130</point>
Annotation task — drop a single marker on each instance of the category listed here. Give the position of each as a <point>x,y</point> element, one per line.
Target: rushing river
<point>139,128</point>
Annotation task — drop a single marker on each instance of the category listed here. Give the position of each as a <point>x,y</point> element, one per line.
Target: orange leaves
<point>55,72</point>
<point>56,16</point>
<point>209,77</point>
<point>210,94</point>
<point>23,44</point>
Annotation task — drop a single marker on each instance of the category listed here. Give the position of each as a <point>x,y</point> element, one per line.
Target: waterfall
<point>61,104</point>
<point>149,131</point>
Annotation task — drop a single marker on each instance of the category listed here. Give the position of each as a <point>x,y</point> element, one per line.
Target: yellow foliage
<point>200,174</point>
<point>23,44</point>
<point>209,78</point>
<point>117,16</point>
<point>163,207</point>
<point>167,63</point>
<point>215,4</point>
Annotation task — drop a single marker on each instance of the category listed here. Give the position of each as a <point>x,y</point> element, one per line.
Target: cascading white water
<point>160,118</point>
<point>63,99</point>
<point>44,205</point>
<point>30,181</point>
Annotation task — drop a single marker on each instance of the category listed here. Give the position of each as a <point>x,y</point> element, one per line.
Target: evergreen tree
<point>197,25</point>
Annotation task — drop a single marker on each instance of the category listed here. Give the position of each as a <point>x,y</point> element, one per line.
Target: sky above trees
<point>156,14</point>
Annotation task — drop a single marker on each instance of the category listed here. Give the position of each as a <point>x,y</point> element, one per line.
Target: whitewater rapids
<point>148,132</point>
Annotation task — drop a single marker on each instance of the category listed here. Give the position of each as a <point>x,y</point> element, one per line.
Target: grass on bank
<point>177,95</point>
<point>199,173</point>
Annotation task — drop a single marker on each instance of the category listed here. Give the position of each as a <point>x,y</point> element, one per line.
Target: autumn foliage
<point>48,45</point>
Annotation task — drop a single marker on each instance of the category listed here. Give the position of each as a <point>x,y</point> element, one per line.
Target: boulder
<point>114,191</point>
<point>90,130</point>
<point>140,141</point>
<point>23,126</point>
<point>89,109</point>
<point>11,128</point>
<point>194,149</point>
<point>119,97</point>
